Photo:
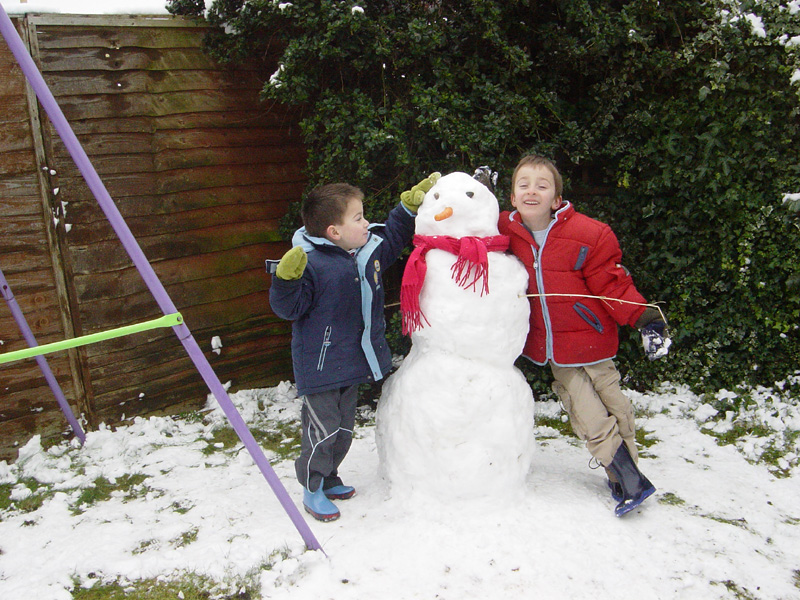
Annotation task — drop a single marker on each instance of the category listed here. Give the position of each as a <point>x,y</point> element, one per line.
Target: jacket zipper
<point>537,257</point>
<point>326,341</point>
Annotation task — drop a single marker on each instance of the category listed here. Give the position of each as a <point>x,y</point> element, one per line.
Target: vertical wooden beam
<point>62,271</point>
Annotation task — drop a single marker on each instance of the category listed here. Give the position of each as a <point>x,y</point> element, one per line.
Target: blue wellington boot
<point>318,505</point>
<point>636,488</point>
<point>340,492</point>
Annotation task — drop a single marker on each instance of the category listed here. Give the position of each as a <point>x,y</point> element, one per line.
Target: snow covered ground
<point>718,527</point>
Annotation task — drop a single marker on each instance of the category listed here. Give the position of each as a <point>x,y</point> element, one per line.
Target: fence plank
<point>202,171</point>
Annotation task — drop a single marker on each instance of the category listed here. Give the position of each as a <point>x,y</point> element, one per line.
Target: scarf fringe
<point>470,268</point>
<point>412,312</point>
<point>472,265</point>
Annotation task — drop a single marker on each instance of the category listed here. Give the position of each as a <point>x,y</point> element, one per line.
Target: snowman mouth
<point>446,213</point>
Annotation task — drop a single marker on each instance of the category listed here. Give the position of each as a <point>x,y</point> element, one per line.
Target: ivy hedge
<point>675,122</point>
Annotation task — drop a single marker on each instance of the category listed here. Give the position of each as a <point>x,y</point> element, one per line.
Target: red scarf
<point>471,266</point>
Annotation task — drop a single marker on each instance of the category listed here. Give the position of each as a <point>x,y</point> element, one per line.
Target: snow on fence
<point>201,171</point>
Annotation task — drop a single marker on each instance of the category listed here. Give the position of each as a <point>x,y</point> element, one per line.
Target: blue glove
<point>655,340</point>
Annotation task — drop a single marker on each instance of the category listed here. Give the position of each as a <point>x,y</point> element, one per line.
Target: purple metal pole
<point>149,276</point>
<point>43,365</point>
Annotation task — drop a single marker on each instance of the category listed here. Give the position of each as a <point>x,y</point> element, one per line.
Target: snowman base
<point>443,428</point>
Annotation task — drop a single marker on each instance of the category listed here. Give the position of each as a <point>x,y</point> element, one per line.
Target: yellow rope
<point>604,299</point>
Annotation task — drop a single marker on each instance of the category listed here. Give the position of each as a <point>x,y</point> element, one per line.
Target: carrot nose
<point>445,214</point>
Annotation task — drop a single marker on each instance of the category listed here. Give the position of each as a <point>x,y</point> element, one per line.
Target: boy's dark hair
<point>325,205</point>
<point>539,161</point>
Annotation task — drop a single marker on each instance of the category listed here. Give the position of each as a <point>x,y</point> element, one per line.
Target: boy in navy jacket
<point>330,284</point>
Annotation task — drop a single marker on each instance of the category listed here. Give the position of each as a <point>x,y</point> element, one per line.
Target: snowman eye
<point>470,194</point>
<point>436,195</point>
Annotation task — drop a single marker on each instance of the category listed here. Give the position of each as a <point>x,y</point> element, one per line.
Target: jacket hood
<point>309,242</point>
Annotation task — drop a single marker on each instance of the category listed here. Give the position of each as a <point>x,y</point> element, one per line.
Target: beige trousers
<point>600,414</point>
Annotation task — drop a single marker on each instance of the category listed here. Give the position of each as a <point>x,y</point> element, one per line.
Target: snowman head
<point>458,206</point>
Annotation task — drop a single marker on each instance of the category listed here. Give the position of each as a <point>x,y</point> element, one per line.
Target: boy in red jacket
<point>581,293</point>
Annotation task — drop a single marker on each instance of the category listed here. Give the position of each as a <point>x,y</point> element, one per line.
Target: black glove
<point>655,340</point>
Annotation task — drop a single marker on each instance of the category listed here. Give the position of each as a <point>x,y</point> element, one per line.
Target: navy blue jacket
<point>338,329</point>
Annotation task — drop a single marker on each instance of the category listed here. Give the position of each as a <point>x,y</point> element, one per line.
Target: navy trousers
<point>328,419</point>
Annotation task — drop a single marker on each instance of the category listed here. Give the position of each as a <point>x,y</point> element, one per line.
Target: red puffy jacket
<point>580,257</point>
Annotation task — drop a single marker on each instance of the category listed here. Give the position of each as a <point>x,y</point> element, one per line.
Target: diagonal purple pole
<point>149,276</point>
<point>43,365</point>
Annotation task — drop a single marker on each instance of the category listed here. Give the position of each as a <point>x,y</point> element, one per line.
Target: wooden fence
<point>201,170</point>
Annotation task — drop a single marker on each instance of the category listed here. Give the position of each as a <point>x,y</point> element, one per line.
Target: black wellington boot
<point>635,486</point>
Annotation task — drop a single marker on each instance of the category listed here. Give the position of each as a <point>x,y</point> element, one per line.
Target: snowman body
<point>456,419</point>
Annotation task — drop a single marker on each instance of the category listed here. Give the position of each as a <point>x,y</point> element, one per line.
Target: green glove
<point>292,264</point>
<point>412,198</point>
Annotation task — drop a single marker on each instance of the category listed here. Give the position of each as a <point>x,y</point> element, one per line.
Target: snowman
<point>456,419</point>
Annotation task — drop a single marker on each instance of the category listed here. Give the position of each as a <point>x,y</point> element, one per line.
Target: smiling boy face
<point>534,196</point>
